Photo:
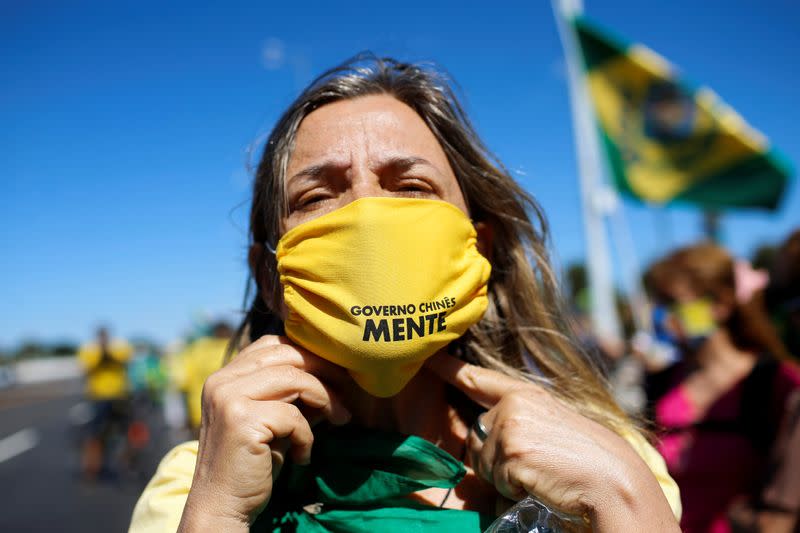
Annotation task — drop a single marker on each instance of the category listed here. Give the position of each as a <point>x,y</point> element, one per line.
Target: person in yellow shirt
<point>426,380</point>
<point>105,363</point>
<point>202,358</point>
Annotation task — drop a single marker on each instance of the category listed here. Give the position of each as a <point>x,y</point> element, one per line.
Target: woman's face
<point>368,146</point>
<point>692,315</point>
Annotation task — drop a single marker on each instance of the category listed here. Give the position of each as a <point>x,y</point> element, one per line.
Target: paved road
<point>42,490</point>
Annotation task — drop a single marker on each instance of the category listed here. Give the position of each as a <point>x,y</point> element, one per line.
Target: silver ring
<point>480,430</point>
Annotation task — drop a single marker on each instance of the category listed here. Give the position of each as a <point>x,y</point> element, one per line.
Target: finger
<point>481,454</point>
<point>485,387</point>
<point>473,449</point>
<point>288,384</point>
<point>271,350</point>
<point>505,482</point>
<point>285,424</point>
<point>475,444</point>
<point>488,461</point>
<point>278,449</point>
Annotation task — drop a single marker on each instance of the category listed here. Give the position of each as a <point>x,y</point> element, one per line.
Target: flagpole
<point>593,191</point>
<point>711,226</point>
<point>662,225</point>
<point>636,294</point>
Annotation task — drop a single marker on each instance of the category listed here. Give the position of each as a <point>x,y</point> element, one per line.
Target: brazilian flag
<point>667,141</point>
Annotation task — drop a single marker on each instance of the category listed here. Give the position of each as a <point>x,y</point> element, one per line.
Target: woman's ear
<point>485,239</point>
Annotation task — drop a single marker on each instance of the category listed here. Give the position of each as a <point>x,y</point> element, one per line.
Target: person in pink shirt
<point>720,409</point>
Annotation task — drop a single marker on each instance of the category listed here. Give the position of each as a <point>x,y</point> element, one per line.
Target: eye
<point>311,199</point>
<point>414,185</point>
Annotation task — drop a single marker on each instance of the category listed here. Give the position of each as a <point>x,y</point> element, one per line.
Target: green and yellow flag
<point>669,142</point>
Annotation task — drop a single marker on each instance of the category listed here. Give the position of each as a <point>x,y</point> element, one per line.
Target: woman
<point>723,406</point>
<point>377,216</point>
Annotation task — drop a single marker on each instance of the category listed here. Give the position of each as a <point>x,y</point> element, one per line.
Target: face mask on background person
<point>381,284</point>
<point>695,320</point>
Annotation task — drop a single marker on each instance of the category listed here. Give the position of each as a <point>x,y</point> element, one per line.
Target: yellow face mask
<point>382,284</point>
<point>696,317</point>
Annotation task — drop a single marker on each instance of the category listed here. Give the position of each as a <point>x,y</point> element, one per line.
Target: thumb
<point>484,386</point>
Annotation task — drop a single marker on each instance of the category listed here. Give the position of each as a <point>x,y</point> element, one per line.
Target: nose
<point>364,183</point>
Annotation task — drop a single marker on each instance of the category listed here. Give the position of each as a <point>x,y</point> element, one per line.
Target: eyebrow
<point>397,163</point>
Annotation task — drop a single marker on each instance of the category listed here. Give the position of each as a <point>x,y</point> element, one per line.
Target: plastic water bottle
<point>532,516</point>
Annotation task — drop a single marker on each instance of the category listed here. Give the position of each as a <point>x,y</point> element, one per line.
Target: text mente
<point>403,328</point>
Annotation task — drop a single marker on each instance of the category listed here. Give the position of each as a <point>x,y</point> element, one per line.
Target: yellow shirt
<point>201,359</point>
<point>106,378</point>
<point>161,504</point>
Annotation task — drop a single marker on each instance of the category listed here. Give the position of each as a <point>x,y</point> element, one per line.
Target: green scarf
<point>359,480</point>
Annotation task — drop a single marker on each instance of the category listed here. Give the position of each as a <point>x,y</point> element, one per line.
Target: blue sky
<point>124,132</point>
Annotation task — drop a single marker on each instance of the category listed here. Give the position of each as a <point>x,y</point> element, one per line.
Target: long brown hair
<point>709,270</point>
<point>523,332</point>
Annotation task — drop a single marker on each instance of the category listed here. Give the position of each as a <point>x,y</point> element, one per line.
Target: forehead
<point>368,126</point>
<point>680,288</point>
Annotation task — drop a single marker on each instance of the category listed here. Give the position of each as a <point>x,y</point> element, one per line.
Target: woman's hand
<point>251,417</point>
<point>537,445</point>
